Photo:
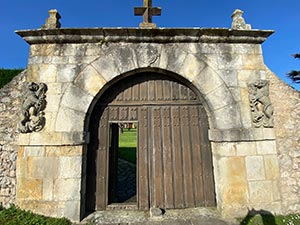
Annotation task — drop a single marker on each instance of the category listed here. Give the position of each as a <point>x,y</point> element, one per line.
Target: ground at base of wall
<point>196,216</point>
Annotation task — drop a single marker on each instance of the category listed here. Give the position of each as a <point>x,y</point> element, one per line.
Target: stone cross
<point>147,11</point>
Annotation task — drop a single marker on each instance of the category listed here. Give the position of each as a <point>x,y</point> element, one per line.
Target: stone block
<point>53,103</point>
<point>192,66</point>
<point>32,74</point>
<point>70,167</point>
<point>224,149</point>
<point>247,76</point>
<point>227,118</point>
<point>72,210</point>
<point>126,60</point>
<point>176,58</point>
<point>90,81</point>
<point>232,180</point>
<point>266,147</point>
<point>42,167</point>
<point>271,167</point>
<point>58,151</point>
<point>253,62</point>
<point>246,149</point>
<point>207,81</point>
<point>260,192</point>
<point>45,138</point>
<point>67,189</point>
<point>255,168</point>
<point>76,98</point>
<point>269,133</point>
<point>65,120</point>
<point>67,73</point>
<point>24,139</point>
<point>54,89</point>
<point>73,138</point>
<point>48,185</point>
<point>47,208</point>
<point>229,61</point>
<point>106,67</point>
<point>34,151</point>
<point>29,189</point>
<point>245,49</point>
<point>220,97</point>
<point>48,73</point>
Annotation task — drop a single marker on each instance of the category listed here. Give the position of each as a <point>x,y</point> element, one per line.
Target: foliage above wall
<point>6,75</point>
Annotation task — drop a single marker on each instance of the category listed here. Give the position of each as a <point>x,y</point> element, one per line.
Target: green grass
<point>269,219</point>
<point>127,145</point>
<point>15,216</point>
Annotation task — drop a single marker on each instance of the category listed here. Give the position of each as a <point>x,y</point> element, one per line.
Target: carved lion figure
<point>33,104</point>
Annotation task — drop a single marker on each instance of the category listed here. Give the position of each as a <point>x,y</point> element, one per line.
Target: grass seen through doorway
<point>128,145</point>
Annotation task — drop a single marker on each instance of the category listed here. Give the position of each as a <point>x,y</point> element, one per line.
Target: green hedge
<point>6,75</point>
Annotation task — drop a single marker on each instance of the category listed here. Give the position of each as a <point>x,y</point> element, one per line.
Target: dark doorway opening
<point>122,163</point>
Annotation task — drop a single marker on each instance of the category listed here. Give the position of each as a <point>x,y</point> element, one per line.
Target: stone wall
<point>286,102</point>
<point>9,116</point>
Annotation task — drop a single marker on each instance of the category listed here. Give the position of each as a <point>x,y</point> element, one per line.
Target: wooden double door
<point>174,162</point>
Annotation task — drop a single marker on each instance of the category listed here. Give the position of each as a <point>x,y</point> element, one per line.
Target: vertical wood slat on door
<point>177,158</point>
<point>167,158</point>
<point>197,160</point>
<point>102,167</point>
<point>157,167</point>
<point>186,155</point>
<point>143,160</point>
<point>208,180</point>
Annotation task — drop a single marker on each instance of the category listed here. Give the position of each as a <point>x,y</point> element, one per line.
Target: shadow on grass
<point>128,154</point>
<point>258,217</point>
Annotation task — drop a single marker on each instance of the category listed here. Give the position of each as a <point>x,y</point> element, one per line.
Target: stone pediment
<point>133,35</point>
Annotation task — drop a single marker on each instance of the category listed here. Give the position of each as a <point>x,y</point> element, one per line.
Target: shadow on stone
<point>267,217</point>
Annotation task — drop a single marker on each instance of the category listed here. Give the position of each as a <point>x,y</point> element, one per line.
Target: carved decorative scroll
<point>260,103</point>
<point>33,104</point>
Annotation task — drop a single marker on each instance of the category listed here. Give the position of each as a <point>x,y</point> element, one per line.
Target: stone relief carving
<point>33,104</point>
<point>148,54</point>
<point>260,104</point>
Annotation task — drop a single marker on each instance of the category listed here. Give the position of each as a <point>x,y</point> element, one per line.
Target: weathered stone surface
<point>90,80</point>
<point>10,110</point>
<point>260,191</point>
<point>255,168</point>
<point>286,103</point>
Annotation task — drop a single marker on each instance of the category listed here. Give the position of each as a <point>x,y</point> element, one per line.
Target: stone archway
<point>174,162</point>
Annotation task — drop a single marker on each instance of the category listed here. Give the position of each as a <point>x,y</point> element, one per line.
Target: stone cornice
<point>136,35</point>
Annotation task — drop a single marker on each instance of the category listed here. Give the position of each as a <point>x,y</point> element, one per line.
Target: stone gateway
<point>211,128</point>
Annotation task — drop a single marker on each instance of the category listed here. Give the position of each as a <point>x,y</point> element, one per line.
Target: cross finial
<point>147,11</point>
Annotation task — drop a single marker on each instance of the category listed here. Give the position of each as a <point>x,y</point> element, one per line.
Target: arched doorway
<point>174,163</point>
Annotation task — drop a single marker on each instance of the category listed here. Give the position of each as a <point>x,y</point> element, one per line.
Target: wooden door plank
<point>187,163</point>
<point>167,158</point>
<point>102,158</point>
<point>196,160</point>
<point>207,166</point>
<point>177,159</point>
<point>143,160</point>
<point>157,167</point>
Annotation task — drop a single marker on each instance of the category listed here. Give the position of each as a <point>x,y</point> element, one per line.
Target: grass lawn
<point>271,220</point>
<point>15,216</point>
<point>128,145</point>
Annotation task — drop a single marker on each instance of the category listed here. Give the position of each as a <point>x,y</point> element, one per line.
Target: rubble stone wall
<point>286,102</point>
<point>9,116</point>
